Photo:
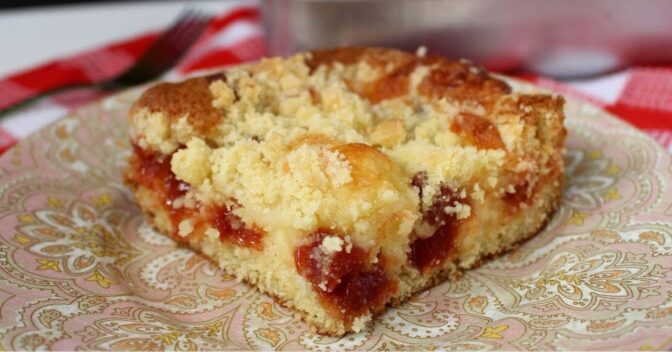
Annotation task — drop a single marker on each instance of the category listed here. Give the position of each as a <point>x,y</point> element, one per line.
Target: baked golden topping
<point>191,99</point>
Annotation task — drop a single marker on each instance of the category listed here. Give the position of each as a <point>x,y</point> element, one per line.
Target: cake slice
<point>346,180</point>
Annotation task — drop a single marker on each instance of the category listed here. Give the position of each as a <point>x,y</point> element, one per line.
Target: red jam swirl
<point>433,251</point>
<point>231,228</point>
<point>346,284</point>
<point>153,171</point>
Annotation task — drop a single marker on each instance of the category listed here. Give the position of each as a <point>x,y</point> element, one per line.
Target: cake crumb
<point>421,51</point>
<point>523,166</point>
<point>331,244</point>
<point>185,228</point>
<point>191,164</point>
<point>323,286</point>
<point>178,202</point>
<point>212,234</point>
<point>348,246</point>
<point>478,193</point>
<point>461,211</point>
<point>223,95</point>
<point>359,323</point>
<point>492,182</point>
<point>388,133</point>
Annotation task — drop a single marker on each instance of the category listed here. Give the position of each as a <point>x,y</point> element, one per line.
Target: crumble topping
<point>192,164</point>
<point>321,141</point>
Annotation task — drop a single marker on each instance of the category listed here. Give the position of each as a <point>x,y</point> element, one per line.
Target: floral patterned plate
<point>81,269</point>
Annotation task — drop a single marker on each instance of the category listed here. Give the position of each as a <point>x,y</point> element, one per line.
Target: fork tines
<point>168,49</point>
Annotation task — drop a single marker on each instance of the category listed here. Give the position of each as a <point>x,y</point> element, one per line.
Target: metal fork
<point>165,52</point>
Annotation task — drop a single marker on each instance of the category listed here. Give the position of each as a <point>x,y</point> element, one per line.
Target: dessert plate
<point>81,269</point>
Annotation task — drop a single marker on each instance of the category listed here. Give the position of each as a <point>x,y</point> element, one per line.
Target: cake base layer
<point>244,264</point>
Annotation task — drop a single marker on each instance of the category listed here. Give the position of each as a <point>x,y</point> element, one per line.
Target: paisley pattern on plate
<point>81,269</point>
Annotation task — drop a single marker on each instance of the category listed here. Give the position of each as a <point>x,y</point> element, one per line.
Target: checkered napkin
<point>640,95</point>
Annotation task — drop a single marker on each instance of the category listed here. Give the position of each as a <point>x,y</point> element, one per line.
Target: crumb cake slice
<point>345,180</point>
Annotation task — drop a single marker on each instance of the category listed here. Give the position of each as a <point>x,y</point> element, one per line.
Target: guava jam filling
<point>231,228</point>
<point>433,251</point>
<point>347,285</point>
<point>152,171</point>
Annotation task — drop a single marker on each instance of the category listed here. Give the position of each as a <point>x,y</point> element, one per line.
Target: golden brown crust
<point>369,166</point>
<point>478,131</point>
<point>376,57</point>
<point>456,80</point>
<point>461,81</point>
<point>191,99</point>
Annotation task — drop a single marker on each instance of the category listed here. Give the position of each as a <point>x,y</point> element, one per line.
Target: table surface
<point>35,35</point>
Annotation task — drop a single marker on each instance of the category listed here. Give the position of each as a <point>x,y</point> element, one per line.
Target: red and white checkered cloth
<point>640,95</point>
